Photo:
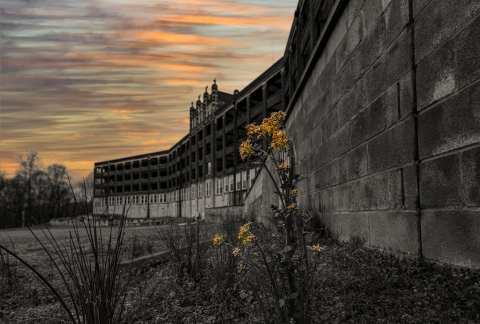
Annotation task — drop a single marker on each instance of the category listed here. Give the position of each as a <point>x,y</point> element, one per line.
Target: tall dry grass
<point>90,284</point>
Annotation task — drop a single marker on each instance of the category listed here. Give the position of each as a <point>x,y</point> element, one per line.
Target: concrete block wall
<point>387,128</point>
<point>357,148</point>
<point>260,198</point>
<point>447,57</point>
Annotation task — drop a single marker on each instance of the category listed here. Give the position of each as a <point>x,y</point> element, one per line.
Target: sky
<point>92,80</point>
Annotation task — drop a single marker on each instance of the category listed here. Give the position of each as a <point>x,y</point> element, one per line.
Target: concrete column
<point>248,111</point>
<point>224,156</point>
<point>235,141</point>
<point>264,99</point>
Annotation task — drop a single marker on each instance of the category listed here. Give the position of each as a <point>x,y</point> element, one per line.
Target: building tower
<point>214,104</point>
<point>206,103</point>
<point>192,117</point>
<point>198,113</point>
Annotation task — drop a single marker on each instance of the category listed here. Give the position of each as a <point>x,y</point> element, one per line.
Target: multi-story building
<point>203,169</point>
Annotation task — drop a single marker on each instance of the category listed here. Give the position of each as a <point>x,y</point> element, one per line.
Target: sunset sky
<point>90,80</point>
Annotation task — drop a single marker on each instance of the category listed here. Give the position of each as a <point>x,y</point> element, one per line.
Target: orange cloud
<point>122,113</point>
<point>158,142</point>
<point>9,168</point>
<point>223,6</point>
<point>145,61</point>
<point>275,22</point>
<point>184,67</point>
<point>85,165</point>
<point>182,82</point>
<point>179,39</point>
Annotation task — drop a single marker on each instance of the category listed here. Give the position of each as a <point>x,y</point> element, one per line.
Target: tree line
<point>35,195</point>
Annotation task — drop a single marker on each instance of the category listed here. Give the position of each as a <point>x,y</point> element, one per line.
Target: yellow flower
<point>317,248</point>
<point>275,120</point>
<point>292,206</point>
<point>236,252</point>
<point>245,236</point>
<point>271,124</point>
<point>217,240</point>
<point>253,130</point>
<point>279,140</point>
<point>246,149</point>
<point>278,117</point>
<point>267,128</point>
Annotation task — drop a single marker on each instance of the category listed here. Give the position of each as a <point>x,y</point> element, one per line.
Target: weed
<point>185,247</point>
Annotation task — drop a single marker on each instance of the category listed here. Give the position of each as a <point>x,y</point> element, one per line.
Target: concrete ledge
<point>155,259</point>
<point>221,214</point>
<point>147,260</point>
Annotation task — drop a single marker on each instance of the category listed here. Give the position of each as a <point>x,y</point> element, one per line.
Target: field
<point>351,284</point>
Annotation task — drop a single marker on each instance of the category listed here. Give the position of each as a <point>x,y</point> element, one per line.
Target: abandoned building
<point>203,170</point>
<point>383,106</point>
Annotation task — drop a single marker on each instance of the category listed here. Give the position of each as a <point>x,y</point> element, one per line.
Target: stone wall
<point>386,128</point>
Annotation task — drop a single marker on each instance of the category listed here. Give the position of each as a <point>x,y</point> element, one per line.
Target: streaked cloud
<point>82,81</point>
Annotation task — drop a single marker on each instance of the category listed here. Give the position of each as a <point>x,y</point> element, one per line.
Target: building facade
<point>201,171</point>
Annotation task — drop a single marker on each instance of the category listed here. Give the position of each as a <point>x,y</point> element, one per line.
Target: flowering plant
<point>284,255</point>
<point>274,266</point>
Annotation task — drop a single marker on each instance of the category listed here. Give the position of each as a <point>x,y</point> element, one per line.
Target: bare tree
<point>59,191</point>
<point>3,196</point>
<point>28,166</point>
